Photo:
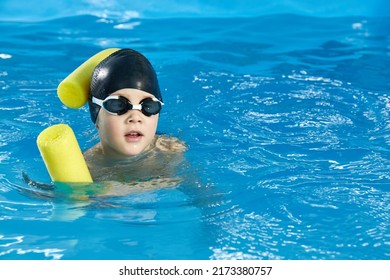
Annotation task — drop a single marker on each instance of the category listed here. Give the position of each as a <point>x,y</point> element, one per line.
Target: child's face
<point>128,134</point>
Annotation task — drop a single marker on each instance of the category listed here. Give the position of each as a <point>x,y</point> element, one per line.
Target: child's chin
<point>133,152</point>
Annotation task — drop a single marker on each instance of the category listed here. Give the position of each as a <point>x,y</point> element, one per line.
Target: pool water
<point>287,122</point>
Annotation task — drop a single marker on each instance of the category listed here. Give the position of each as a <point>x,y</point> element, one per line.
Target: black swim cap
<point>125,68</point>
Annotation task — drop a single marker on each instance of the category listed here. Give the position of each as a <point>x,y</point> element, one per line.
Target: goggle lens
<point>117,106</point>
<point>150,107</point>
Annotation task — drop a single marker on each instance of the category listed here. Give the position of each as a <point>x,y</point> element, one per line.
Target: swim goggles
<point>119,105</point>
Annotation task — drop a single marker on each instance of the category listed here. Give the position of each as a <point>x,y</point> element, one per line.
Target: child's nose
<point>134,116</point>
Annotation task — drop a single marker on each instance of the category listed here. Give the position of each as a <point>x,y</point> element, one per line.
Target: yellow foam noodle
<point>62,155</point>
<point>73,90</point>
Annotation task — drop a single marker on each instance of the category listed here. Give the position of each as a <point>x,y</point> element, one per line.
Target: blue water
<point>286,117</point>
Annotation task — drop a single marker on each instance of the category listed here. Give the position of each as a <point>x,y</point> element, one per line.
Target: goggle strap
<point>97,101</point>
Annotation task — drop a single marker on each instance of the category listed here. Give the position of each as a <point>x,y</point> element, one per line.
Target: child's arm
<point>170,144</point>
<point>35,184</point>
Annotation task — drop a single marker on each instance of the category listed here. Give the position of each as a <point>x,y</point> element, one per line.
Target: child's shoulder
<point>167,143</point>
<point>93,151</point>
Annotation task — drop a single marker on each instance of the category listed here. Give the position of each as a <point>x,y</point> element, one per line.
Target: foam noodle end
<point>71,94</point>
<point>74,89</point>
<point>62,155</point>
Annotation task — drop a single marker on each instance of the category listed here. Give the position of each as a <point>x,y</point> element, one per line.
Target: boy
<point>125,102</point>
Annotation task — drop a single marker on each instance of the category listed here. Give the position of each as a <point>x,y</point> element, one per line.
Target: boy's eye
<point>116,106</point>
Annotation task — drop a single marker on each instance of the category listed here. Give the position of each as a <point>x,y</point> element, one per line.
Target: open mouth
<point>133,135</point>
